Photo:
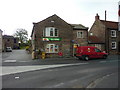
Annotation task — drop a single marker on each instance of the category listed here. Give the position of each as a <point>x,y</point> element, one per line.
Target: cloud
<point>21,13</point>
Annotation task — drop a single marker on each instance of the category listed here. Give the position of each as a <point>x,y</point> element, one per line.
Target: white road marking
<point>23,61</point>
<point>17,77</point>
<point>103,61</point>
<point>60,84</point>
<point>9,60</point>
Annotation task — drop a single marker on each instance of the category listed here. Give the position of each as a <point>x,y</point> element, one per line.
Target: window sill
<point>50,36</point>
<point>51,52</point>
<point>113,48</point>
<point>80,38</point>
<point>113,36</point>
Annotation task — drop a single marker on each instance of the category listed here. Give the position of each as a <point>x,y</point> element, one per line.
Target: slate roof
<point>110,24</point>
<point>79,26</point>
<point>7,36</point>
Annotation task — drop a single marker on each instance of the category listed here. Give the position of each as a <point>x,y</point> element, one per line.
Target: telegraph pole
<point>119,26</point>
<point>106,34</point>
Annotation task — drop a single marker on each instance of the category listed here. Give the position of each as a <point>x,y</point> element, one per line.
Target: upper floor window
<point>113,33</point>
<point>113,45</point>
<point>80,34</point>
<point>51,32</point>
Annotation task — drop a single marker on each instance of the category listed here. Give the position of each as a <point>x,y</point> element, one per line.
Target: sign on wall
<point>51,39</point>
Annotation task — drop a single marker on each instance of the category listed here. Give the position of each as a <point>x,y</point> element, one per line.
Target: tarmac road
<point>103,75</point>
<point>59,72</point>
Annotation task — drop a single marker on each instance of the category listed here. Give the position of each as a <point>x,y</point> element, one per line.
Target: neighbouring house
<point>1,40</point>
<point>53,35</point>
<point>10,41</point>
<point>105,35</point>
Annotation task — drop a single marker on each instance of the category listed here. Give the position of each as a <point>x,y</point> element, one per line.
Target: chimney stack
<point>97,17</point>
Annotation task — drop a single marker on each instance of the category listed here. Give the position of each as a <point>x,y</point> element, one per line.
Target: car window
<point>97,50</point>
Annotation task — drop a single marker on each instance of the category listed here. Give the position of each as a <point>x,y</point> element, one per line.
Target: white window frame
<point>48,30</point>
<point>113,33</point>
<point>113,47</point>
<point>48,46</point>
<point>79,35</point>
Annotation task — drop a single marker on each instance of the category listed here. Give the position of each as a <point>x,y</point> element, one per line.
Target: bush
<point>27,47</point>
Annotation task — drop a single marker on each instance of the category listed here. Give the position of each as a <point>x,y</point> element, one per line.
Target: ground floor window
<point>51,48</point>
<point>98,46</point>
<point>113,45</point>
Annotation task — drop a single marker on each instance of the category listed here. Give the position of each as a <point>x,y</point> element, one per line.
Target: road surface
<point>61,73</point>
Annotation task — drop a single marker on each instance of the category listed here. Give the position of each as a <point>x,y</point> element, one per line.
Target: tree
<point>22,34</point>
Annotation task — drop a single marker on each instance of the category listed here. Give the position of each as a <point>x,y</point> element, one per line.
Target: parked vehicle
<point>8,49</point>
<point>89,52</point>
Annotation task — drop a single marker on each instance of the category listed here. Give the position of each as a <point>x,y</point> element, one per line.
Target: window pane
<point>47,32</point>
<point>51,32</point>
<point>47,48</point>
<point>80,34</point>
<point>113,33</point>
<point>97,50</point>
<point>51,48</point>
<point>56,32</point>
<point>113,45</point>
<point>56,48</point>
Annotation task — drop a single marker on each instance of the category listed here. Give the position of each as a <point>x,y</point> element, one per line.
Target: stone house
<point>10,41</point>
<point>105,35</point>
<point>1,40</point>
<point>53,35</point>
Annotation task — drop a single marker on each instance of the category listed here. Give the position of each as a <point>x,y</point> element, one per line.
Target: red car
<point>88,52</point>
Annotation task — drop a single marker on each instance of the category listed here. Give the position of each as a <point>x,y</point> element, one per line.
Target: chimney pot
<point>97,17</point>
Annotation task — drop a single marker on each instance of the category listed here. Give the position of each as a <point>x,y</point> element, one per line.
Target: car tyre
<point>104,56</point>
<point>86,57</point>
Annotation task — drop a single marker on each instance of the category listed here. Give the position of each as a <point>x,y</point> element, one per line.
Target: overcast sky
<point>22,13</point>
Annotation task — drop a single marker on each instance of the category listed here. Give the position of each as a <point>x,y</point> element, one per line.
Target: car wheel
<point>104,56</point>
<point>86,58</point>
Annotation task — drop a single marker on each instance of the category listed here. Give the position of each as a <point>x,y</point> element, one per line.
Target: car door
<point>98,53</point>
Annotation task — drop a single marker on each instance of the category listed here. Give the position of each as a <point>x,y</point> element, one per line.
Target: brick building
<point>10,41</point>
<point>54,35</point>
<point>105,35</point>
